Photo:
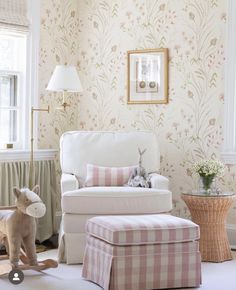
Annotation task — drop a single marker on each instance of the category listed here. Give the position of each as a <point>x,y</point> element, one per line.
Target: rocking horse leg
<point>14,251</point>
<point>42,265</point>
<point>5,269</point>
<point>23,257</point>
<point>30,250</point>
<point>6,244</point>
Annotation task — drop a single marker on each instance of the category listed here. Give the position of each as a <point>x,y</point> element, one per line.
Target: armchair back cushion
<point>109,149</point>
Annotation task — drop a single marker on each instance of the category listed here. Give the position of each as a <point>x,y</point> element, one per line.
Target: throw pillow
<point>107,176</point>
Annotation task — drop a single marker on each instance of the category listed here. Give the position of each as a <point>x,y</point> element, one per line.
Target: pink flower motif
<point>113,121</point>
<point>191,16</point>
<point>190,94</point>
<point>175,125</point>
<point>189,172</point>
<point>95,24</point>
<point>114,47</point>
<point>213,41</point>
<point>212,122</point>
<point>162,7</point>
<point>223,17</point>
<point>221,97</point>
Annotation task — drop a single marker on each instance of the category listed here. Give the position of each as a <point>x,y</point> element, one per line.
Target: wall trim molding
<point>229,157</point>
<point>231,232</point>
<point>229,145</point>
<point>24,155</point>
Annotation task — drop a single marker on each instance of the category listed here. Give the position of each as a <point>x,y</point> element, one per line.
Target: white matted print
<point>148,76</point>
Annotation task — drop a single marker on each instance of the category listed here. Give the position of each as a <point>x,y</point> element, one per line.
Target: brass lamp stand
<point>31,173</point>
<point>64,103</point>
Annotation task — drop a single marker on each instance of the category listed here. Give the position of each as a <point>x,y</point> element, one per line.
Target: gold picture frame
<point>148,76</point>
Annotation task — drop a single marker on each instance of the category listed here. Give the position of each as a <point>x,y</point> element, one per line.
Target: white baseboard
<point>231,231</point>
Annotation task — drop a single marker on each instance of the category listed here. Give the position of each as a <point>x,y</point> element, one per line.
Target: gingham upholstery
<point>107,176</point>
<point>135,250</point>
<point>142,229</point>
<point>142,267</point>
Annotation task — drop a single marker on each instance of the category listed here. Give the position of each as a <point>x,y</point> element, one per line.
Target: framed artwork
<point>148,76</point>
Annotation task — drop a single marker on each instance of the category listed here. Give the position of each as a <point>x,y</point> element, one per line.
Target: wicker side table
<point>209,212</point>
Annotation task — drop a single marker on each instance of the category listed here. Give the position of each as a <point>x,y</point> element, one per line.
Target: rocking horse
<point>18,232</point>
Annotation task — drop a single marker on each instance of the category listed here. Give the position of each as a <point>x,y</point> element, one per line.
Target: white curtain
<point>17,174</point>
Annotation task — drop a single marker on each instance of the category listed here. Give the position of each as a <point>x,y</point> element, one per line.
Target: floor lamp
<point>64,79</point>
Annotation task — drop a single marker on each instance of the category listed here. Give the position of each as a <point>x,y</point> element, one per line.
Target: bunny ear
<point>36,189</point>
<point>17,192</point>
<point>144,150</point>
<point>141,152</point>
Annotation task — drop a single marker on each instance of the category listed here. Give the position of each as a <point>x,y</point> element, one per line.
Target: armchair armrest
<point>159,181</point>
<point>68,182</point>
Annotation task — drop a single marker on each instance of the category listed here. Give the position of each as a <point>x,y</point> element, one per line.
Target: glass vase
<point>207,184</point>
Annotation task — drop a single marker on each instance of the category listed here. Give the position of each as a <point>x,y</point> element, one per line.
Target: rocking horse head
<point>28,202</point>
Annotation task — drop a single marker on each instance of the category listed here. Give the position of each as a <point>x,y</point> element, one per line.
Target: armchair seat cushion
<point>116,200</point>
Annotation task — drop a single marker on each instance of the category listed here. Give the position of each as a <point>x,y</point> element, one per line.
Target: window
<point>12,88</point>
<point>19,42</point>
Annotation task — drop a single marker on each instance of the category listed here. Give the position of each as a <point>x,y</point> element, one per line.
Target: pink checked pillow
<point>107,176</point>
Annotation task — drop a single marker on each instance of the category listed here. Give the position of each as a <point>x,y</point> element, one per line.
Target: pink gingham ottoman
<point>142,252</point>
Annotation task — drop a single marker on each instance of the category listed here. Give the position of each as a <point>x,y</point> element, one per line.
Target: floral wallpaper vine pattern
<point>96,34</point>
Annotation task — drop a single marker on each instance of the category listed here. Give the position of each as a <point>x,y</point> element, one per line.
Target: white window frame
<point>228,153</point>
<point>30,90</point>
<point>32,69</point>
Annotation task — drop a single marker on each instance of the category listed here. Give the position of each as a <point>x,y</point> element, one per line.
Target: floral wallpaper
<point>96,34</point>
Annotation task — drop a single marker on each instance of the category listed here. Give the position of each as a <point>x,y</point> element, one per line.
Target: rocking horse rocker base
<point>5,269</point>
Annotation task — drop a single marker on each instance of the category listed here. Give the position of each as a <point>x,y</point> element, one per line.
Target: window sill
<point>229,157</point>
<point>24,155</point>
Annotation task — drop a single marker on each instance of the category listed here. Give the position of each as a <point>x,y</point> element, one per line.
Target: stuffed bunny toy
<point>18,227</point>
<point>139,178</point>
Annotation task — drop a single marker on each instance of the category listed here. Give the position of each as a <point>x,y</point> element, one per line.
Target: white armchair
<point>68,182</point>
<point>79,203</point>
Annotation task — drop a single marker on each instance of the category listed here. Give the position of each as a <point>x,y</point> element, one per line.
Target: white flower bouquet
<point>208,170</point>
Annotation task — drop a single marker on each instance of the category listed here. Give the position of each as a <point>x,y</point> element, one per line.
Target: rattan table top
<point>212,194</point>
